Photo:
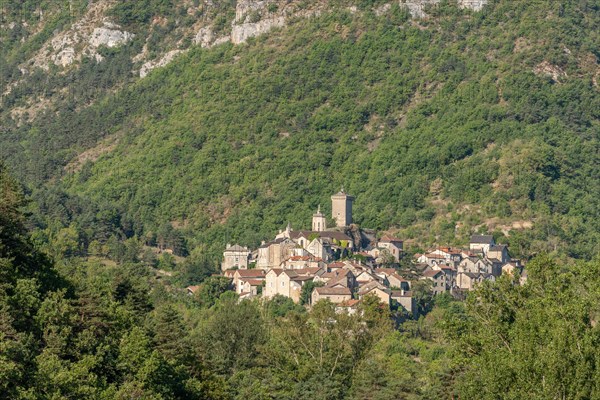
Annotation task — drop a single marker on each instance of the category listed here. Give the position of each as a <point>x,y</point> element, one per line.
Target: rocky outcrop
<point>109,37</point>
<point>475,5</point>
<point>417,7</point>
<point>206,38</point>
<point>167,58</point>
<point>241,33</point>
<point>552,71</point>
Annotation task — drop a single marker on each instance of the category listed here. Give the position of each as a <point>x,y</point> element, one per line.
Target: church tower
<point>319,222</point>
<point>341,208</point>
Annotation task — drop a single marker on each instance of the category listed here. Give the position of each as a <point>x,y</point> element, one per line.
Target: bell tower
<point>341,208</point>
<point>319,222</point>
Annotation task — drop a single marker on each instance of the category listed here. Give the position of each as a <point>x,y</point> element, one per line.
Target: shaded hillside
<point>441,126</point>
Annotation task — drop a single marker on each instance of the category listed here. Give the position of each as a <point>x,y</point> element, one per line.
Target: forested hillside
<point>458,122</point>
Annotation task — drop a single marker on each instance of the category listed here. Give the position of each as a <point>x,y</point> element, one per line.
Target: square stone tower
<point>341,208</point>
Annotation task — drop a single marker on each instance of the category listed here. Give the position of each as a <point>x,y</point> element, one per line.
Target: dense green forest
<point>439,127</point>
<point>82,328</point>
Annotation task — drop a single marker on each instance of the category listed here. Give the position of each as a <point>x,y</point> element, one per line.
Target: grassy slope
<point>235,141</point>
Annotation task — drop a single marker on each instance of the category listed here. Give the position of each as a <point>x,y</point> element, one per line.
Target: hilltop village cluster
<point>338,265</point>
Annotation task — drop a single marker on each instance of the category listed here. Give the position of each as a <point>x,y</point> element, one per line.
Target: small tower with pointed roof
<point>341,208</point>
<point>319,222</point>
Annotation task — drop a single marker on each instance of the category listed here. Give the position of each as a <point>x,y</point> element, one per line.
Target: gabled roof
<point>236,247</point>
<point>338,273</point>
<point>367,287</point>
<point>300,278</point>
<point>398,277</point>
<point>276,271</point>
<point>349,303</point>
<point>482,239</point>
<point>430,273</point>
<point>308,271</point>
<point>332,291</point>
<point>272,242</point>
<point>254,282</point>
<point>336,264</point>
<point>229,273</point>
<point>250,273</point>
<point>498,247</point>
<point>193,288</point>
<point>390,239</point>
<point>385,271</point>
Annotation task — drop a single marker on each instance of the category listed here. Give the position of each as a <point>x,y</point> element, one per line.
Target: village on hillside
<point>344,263</point>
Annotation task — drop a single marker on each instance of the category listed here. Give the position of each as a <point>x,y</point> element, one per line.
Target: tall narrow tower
<point>319,222</point>
<point>341,208</point>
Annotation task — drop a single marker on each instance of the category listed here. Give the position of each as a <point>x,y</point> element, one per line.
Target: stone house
<point>328,238</point>
<point>510,268</point>
<point>241,275</point>
<point>405,299</point>
<point>451,255</point>
<point>249,286</point>
<point>481,243</point>
<point>382,293</point>
<point>235,256</point>
<point>432,259</point>
<point>469,280</point>
<point>320,248</point>
<point>383,273</point>
<point>301,262</point>
<point>272,254</point>
<point>393,245</point>
<point>476,265</point>
<point>438,278</point>
<point>287,283</point>
<point>339,276</point>
<point>365,277</point>
<point>499,252</point>
<point>396,281</point>
<point>336,295</point>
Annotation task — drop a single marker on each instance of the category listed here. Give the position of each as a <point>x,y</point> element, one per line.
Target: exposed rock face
<point>109,37</point>
<point>252,18</point>
<point>64,57</point>
<point>417,7</point>
<point>552,71</point>
<point>241,33</point>
<point>206,38</point>
<point>167,58</point>
<point>475,5</point>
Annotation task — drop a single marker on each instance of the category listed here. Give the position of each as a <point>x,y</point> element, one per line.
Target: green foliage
<point>211,289</point>
<point>141,11</point>
<point>306,292</point>
<point>536,341</point>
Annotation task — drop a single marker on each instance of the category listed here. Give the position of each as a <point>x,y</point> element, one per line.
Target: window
<point>282,283</point>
